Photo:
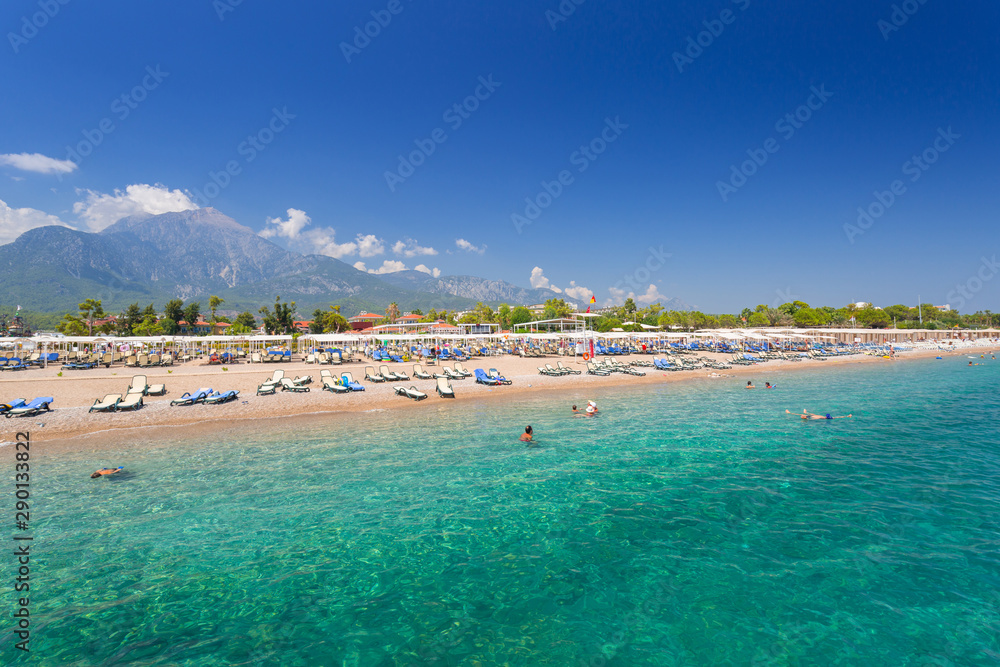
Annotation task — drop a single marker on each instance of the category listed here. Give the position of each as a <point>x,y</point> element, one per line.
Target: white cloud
<point>436,272</point>
<point>100,210</point>
<point>289,229</point>
<point>323,242</point>
<point>539,281</point>
<point>618,296</point>
<point>578,292</point>
<point>465,245</point>
<point>370,246</point>
<point>410,248</point>
<point>652,295</point>
<point>37,163</point>
<point>360,266</point>
<point>16,221</point>
<point>389,266</point>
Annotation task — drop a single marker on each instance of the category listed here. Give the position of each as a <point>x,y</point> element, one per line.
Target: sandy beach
<point>75,391</point>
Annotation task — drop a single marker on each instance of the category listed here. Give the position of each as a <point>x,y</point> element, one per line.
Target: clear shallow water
<point>690,524</point>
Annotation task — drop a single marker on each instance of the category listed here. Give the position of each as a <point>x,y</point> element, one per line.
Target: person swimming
<point>768,385</point>
<point>591,409</point>
<point>750,385</point>
<point>526,436</point>
<point>106,471</point>
<point>808,415</point>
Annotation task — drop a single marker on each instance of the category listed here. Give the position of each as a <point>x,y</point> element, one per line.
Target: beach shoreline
<point>74,392</point>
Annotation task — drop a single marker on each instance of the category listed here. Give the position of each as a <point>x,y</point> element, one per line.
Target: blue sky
<point>310,128</point>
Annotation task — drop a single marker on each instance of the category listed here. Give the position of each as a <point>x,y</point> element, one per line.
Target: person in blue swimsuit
<point>808,415</point>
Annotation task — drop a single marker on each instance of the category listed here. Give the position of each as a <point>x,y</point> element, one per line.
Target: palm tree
<point>392,312</point>
<point>213,304</point>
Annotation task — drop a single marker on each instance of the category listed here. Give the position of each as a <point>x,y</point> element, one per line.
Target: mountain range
<point>191,255</point>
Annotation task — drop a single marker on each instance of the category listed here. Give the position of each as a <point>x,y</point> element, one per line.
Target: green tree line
<point>280,319</point>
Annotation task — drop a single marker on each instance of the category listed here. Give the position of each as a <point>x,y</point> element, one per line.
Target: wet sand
<point>75,391</point>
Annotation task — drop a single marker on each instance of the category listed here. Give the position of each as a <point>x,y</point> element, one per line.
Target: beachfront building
<point>443,328</point>
<point>202,328</point>
<point>438,327</point>
<point>409,318</point>
<point>363,321</point>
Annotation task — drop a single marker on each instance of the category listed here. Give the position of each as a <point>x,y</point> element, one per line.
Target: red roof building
<point>363,321</point>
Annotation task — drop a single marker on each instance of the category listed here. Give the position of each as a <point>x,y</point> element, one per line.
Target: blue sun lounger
<point>483,378</point>
<point>15,364</point>
<point>190,399</point>
<point>224,397</point>
<point>7,407</point>
<point>495,374</point>
<point>351,384</point>
<point>28,409</point>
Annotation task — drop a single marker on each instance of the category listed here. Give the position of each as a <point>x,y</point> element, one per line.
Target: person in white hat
<point>591,408</point>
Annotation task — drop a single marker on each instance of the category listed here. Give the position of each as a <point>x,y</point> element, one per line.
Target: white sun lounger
<point>410,392</point>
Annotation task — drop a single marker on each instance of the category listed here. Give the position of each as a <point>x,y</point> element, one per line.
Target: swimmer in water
<point>591,409</point>
<point>526,436</point>
<point>750,385</point>
<point>808,415</point>
<point>105,471</point>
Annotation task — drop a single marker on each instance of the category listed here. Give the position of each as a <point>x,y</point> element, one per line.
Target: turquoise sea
<point>692,523</point>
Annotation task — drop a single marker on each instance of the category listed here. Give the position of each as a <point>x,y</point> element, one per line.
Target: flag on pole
<point>593,299</point>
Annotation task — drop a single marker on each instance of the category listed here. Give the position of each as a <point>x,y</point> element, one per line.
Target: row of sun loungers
<point>132,399</point>
<point>13,364</point>
<point>270,357</point>
<point>116,402</point>
<point>207,396</point>
<point>20,408</point>
<point>106,359</point>
<point>324,358</point>
<point>279,381</point>
<point>558,370</point>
